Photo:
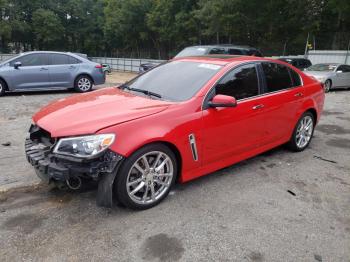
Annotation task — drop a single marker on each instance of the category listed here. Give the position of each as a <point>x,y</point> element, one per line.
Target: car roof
<point>223,45</point>
<point>222,59</point>
<point>293,58</point>
<point>48,52</point>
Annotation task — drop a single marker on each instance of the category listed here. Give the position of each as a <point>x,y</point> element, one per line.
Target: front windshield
<point>322,67</point>
<point>192,51</point>
<point>176,80</point>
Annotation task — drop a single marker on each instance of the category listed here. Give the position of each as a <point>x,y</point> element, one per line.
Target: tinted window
<point>217,51</point>
<point>59,59</point>
<point>295,77</point>
<point>344,68</point>
<point>73,60</point>
<point>240,83</point>
<point>177,80</point>
<point>277,77</point>
<point>233,51</point>
<point>31,60</point>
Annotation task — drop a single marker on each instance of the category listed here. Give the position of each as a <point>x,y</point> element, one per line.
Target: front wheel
<point>146,177</point>
<point>2,88</point>
<point>327,86</point>
<point>302,133</point>
<point>83,84</point>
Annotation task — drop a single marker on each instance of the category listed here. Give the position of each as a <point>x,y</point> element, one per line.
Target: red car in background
<point>179,121</point>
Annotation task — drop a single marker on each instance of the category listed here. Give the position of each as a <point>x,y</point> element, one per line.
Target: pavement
<point>278,206</point>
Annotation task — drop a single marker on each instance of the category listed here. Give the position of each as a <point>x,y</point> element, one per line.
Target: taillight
<point>98,66</point>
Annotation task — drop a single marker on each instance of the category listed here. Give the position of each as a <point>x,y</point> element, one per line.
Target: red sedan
<point>178,121</point>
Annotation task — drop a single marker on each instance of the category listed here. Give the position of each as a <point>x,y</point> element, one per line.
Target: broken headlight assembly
<point>84,146</point>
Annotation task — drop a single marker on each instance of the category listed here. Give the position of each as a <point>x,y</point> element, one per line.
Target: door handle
<point>43,68</point>
<point>72,67</point>
<point>258,107</point>
<point>298,94</point>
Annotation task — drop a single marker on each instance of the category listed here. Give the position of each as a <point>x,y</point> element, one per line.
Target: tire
<point>134,189</point>
<point>302,135</point>
<point>83,84</point>
<point>2,87</point>
<point>327,86</point>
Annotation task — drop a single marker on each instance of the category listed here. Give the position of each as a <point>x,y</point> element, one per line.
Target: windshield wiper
<point>146,92</point>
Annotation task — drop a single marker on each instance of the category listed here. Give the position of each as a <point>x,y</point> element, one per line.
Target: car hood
<point>87,113</point>
<point>318,73</point>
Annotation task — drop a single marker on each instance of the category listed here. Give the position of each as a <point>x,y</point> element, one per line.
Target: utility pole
<point>347,53</point>
<point>306,46</point>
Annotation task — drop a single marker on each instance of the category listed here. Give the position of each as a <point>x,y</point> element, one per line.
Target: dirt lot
<point>279,206</point>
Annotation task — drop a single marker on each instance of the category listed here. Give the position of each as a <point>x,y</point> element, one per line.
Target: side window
<point>344,68</point>
<point>31,60</point>
<point>233,51</point>
<point>217,51</point>
<point>295,77</point>
<point>240,83</point>
<point>59,59</point>
<point>73,60</point>
<point>277,77</point>
<point>347,68</point>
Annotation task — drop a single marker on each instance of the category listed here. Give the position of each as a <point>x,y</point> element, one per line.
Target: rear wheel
<point>145,178</point>
<point>302,133</point>
<point>83,84</point>
<point>2,87</point>
<point>327,86</point>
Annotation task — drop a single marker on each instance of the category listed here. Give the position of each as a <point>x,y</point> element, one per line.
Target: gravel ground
<point>279,206</point>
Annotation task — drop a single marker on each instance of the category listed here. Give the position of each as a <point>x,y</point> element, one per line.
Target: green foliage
<point>160,28</point>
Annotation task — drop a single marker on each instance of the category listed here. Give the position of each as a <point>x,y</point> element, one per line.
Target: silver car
<point>49,70</point>
<point>332,75</point>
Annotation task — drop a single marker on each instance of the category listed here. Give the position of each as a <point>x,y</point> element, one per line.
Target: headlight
<point>84,146</point>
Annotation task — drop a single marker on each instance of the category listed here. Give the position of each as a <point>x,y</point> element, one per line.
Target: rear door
<point>33,73</point>
<point>283,96</point>
<point>62,70</point>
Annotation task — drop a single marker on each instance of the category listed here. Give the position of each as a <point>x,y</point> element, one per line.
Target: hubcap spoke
<point>150,177</point>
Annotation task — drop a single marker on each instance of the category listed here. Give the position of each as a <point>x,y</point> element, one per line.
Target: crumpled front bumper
<point>53,167</point>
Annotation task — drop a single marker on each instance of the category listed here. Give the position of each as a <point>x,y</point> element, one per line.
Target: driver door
<point>230,131</point>
<point>33,73</point>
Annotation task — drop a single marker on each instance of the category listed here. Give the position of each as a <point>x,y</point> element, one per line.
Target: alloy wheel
<point>150,177</point>
<point>304,131</point>
<point>327,86</point>
<point>84,84</point>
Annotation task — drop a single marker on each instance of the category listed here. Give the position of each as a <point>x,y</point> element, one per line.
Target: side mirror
<point>223,101</point>
<point>339,71</point>
<point>17,64</point>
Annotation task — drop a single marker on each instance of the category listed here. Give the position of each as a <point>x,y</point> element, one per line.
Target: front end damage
<point>71,171</point>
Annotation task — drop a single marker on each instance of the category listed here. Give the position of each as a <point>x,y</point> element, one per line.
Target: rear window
<point>277,77</point>
<point>176,80</point>
<point>193,51</point>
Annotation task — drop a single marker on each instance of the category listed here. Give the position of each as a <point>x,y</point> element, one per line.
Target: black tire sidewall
<point>76,88</point>
<point>293,143</point>
<point>120,190</point>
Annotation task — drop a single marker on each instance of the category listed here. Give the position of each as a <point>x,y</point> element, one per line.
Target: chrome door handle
<point>258,107</point>
<point>298,94</point>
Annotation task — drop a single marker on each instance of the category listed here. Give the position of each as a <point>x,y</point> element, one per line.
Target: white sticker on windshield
<point>210,66</point>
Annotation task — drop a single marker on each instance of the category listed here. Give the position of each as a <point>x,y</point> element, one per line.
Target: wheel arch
<point>313,112</point>
<point>84,74</point>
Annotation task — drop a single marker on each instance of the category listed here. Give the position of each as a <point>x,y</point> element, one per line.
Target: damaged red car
<point>176,122</point>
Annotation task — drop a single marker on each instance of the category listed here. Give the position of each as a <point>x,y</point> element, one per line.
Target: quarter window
<point>277,77</point>
<point>240,83</point>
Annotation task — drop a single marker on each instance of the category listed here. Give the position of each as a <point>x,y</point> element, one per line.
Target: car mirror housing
<point>223,101</point>
<point>17,64</point>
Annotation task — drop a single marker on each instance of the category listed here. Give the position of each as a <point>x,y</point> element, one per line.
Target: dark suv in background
<point>298,62</point>
<point>209,50</point>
